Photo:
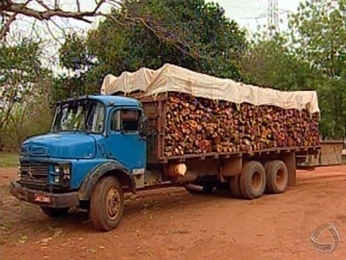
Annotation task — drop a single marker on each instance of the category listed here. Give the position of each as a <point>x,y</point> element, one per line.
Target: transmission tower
<point>273,17</point>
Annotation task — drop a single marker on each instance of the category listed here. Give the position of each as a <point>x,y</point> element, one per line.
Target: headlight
<point>57,169</point>
<point>62,173</point>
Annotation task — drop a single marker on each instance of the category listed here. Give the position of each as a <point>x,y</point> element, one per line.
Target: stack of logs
<point>200,125</point>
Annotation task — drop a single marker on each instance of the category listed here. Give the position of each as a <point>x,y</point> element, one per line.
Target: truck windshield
<point>80,115</point>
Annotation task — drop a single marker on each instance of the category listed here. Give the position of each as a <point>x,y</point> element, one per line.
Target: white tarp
<point>174,78</point>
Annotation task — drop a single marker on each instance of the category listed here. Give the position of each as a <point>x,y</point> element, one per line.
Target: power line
<point>263,14</point>
<point>270,11</point>
<point>243,7</point>
<point>273,17</point>
<point>258,1</point>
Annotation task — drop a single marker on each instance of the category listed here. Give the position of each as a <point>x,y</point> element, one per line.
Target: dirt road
<point>172,224</point>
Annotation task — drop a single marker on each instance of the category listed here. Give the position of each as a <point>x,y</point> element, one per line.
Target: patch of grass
<point>8,159</point>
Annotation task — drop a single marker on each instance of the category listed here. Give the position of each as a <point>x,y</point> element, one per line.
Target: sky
<point>251,13</point>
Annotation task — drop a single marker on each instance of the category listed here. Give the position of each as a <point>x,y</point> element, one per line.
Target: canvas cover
<point>170,78</point>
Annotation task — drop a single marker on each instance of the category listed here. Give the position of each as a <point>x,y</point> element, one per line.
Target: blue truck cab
<point>95,148</point>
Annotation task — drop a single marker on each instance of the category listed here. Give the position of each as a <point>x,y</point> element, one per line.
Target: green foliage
<point>75,57</point>
<point>150,33</point>
<point>64,86</point>
<point>22,82</point>
<point>73,54</point>
<point>19,70</point>
<point>332,100</point>
<point>318,34</point>
<point>270,63</point>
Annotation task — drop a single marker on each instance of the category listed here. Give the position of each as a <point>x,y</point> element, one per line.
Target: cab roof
<point>116,100</point>
<point>110,100</point>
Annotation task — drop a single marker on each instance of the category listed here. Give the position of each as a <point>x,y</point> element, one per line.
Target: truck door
<point>124,142</point>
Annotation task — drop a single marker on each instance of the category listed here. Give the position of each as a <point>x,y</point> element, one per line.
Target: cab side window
<point>114,121</point>
<point>126,120</point>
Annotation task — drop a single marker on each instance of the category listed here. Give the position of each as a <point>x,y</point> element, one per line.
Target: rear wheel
<point>277,176</point>
<point>54,212</point>
<point>107,204</point>
<point>252,180</point>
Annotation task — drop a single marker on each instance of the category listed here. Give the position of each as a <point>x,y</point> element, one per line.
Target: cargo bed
<point>156,109</point>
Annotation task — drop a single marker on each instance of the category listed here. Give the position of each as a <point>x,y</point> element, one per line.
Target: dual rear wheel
<point>255,179</point>
<point>276,176</point>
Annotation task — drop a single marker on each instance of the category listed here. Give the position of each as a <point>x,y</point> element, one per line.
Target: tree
<point>46,10</point>
<point>318,35</point>
<point>33,115</point>
<point>194,34</point>
<point>271,63</point>
<point>318,31</point>
<point>76,59</point>
<point>149,33</point>
<point>20,69</point>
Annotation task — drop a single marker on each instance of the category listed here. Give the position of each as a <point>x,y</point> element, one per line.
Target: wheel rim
<point>256,181</point>
<point>113,203</point>
<point>280,177</point>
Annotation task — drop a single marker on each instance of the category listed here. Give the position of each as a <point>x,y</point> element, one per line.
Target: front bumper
<point>48,199</point>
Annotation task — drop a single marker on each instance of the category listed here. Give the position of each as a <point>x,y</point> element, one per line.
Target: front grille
<point>34,174</point>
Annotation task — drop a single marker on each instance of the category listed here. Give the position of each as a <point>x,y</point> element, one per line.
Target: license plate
<point>41,198</point>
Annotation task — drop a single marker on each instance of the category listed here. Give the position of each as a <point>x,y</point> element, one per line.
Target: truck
<point>165,127</point>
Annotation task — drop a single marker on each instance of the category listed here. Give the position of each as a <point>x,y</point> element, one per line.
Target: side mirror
<point>143,126</point>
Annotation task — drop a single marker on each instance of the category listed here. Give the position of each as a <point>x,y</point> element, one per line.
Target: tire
<point>276,176</point>
<point>107,204</point>
<point>252,180</point>
<point>54,212</point>
<point>235,186</point>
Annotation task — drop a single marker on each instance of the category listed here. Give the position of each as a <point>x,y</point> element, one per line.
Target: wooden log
<point>199,125</point>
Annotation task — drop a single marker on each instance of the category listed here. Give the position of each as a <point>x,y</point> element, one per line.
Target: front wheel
<point>107,204</point>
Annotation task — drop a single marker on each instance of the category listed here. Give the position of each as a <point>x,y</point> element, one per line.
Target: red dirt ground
<point>173,224</point>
